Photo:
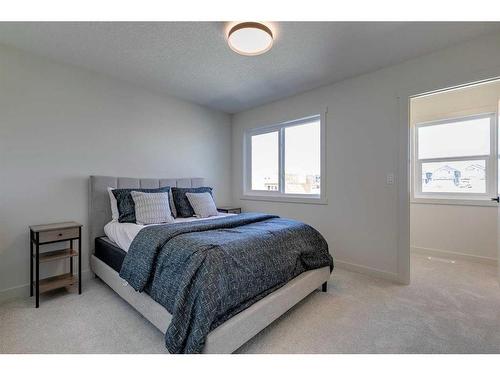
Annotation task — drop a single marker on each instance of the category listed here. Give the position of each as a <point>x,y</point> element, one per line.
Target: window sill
<point>455,202</point>
<point>284,199</point>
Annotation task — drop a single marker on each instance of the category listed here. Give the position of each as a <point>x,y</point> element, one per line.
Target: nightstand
<point>49,234</point>
<point>229,210</point>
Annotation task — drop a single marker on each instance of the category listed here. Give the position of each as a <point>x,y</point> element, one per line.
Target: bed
<point>107,257</point>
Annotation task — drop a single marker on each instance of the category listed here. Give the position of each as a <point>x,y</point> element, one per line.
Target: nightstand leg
<point>37,280</point>
<point>71,258</point>
<point>80,261</point>
<point>31,263</point>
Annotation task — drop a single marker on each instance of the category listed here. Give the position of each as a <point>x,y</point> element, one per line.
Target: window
<point>456,158</point>
<point>284,161</point>
<point>265,161</point>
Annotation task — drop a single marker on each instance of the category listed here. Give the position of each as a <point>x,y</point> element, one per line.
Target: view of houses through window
<point>300,148</point>
<point>454,177</point>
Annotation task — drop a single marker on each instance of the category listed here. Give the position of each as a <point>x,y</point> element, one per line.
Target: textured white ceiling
<point>191,60</point>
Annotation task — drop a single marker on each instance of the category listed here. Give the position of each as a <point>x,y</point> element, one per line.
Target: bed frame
<point>230,335</point>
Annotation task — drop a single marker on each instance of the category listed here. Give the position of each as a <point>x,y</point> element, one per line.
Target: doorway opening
<point>454,183</point>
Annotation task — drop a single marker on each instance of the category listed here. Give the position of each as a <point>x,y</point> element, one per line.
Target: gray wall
<point>60,124</point>
<point>364,127</point>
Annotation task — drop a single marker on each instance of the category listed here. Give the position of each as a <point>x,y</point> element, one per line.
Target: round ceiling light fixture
<point>250,38</point>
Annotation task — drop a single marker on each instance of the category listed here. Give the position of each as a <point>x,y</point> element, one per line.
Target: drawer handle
<point>60,234</point>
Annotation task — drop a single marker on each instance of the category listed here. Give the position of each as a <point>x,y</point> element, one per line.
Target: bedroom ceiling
<point>192,61</point>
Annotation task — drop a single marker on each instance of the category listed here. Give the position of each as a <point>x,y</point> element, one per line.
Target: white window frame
<point>457,198</point>
<point>280,195</point>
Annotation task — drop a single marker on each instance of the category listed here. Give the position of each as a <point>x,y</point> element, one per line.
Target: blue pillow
<point>181,202</point>
<point>126,205</point>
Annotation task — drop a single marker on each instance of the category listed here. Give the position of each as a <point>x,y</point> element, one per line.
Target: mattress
<point>109,252</point>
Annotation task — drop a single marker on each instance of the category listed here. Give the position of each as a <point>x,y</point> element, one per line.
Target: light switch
<point>390,179</point>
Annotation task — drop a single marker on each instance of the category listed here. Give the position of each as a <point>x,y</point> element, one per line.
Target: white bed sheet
<point>124,233</point>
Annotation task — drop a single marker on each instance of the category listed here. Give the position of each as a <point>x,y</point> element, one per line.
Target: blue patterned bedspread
<point>205,272</point>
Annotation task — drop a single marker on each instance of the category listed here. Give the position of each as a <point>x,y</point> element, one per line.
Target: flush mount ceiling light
<point>250,38</point>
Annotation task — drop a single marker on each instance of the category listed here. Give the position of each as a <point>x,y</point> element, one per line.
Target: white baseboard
<point>367,271</point>
<point>23,291</point>
<point>450,254</point>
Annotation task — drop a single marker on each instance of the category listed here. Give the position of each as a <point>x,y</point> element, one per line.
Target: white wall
<point>462,229</point>
<point>59,124</point>
<point>365,126</point>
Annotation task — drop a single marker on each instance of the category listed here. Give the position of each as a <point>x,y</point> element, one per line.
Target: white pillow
<point>203,204</point>
<point>114,205</point>
<point>152,208</point>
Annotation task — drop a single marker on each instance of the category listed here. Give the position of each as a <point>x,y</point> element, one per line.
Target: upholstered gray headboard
<point>99,206</point>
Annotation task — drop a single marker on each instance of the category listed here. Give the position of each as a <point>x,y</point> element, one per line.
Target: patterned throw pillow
<point>152,208</point>
<point>125,203</point>
<point>203,204</point>
<point>181,202</point>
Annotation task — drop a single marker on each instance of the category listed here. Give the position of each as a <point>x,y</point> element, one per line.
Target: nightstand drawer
<point>58,235</point>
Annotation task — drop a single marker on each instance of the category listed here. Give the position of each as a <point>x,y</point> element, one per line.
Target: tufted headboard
<point>99,206</point>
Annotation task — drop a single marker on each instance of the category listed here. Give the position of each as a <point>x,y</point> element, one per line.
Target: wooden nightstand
<point>229,210</point>
<point>48,234</point>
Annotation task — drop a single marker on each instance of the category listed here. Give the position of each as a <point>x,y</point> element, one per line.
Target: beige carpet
<point>448,308</point>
